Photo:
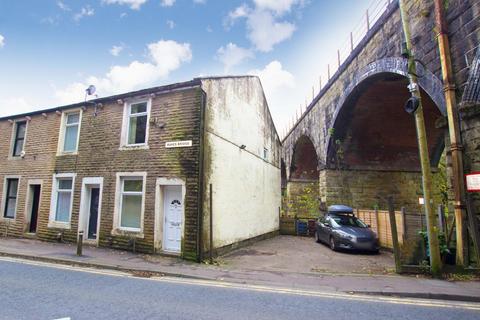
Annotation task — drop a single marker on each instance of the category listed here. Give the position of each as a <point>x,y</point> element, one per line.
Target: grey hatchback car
<point>340,229</point>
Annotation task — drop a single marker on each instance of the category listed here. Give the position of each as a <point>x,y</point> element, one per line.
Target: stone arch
<point>305,161</point>
<point>367,84</point>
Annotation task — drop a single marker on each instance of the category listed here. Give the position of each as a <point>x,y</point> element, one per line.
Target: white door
<point>172,235</point>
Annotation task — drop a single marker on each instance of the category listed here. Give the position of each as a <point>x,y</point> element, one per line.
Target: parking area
<point>304,255</point>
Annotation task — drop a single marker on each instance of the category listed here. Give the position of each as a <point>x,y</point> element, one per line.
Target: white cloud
<point>232,55</point>
<point>278,6</point>
<point>165,56</point>
<point>116,50</point>
<point>14,105</point>
<point>200,1</point>
<point>264,30</point>
<point>167,3</point>
<point>2,41</point>
<point>170,24</point>
<point>86,11</point>
<point>63,6</point>
<point>277,84</point>
<point>239,12</point>
<point>134,4</point>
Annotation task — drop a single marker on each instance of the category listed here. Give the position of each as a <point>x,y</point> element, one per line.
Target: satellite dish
<point>91,90</point>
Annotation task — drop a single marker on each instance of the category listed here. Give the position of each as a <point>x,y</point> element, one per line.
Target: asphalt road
<point>30,290</point>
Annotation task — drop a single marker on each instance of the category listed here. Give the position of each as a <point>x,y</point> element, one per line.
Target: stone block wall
<point>301,199</point>
<point>370,189</point>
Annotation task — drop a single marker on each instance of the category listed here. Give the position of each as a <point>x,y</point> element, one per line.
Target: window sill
<point>7,220</point>
<point>63,154</point>
<point>16,158</point>
<point>59,225</point>
<point>128,233</point>
<point>134,147</point>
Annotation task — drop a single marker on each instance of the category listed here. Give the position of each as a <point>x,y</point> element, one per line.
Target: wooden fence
<point>408,225</point>
<point>379,222</point>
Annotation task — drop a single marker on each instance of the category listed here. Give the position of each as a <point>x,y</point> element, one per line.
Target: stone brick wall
<point>99,156</point>
<point>39,162</point>
<point>471,138</point>
<point>370,189</point>
<point>301,199</point>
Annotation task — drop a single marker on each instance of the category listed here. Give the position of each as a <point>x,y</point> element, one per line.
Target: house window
<point>69,133</point>
<point>19,139</point>
<point>136,124</point>
<point>62,198</point>
<point>72,123</point>
<point>11,198</point>
<point>131,203</point>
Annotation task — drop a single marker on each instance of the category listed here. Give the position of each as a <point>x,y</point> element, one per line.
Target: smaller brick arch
<point>304,164</point>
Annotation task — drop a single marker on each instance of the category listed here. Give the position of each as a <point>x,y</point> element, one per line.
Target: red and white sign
<point>473,182</point>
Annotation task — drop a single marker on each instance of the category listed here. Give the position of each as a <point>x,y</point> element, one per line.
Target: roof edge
<point>165,88</point>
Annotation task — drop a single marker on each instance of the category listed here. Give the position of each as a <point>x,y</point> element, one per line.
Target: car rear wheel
<point>317,238</point>
<point>333,244</point>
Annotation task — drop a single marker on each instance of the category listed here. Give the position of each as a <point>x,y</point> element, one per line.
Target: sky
<point>52,50</point>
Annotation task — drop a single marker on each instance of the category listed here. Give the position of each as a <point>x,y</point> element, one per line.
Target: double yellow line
<point>265,289</point>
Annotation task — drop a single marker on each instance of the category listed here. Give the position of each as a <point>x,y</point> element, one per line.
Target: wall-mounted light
<point>58,112</point>
<point>152,95</point>
<point>119,101</point>
<point>243,147</point>
<point>10,120</point>
<point>44,115</point>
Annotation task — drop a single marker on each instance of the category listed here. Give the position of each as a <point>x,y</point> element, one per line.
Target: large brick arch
<point>391,68</point>
<point>429,83</point>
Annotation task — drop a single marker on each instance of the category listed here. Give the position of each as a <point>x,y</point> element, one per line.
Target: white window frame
<point>52,223</point>
<point>63,131</point>
<point>117,228</point>
<point>126,124</point>
<point>4,198</point>
<point>14,136</point>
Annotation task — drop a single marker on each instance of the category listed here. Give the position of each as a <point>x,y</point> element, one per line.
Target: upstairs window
<point>135,131</point>
<point>72,123</point>
<point>10,198</point>
<point>19,138</point>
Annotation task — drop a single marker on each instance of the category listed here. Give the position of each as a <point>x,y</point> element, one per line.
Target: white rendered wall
<point>246,187</point>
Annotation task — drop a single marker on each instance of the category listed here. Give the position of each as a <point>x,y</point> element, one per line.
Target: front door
<point>93,213</point>
<point>173,208</point>
<point>35,189</point>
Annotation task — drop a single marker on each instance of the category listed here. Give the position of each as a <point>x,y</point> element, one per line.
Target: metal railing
<point>373,13</point>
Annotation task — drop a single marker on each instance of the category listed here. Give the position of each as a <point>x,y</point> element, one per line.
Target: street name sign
<point>178,144</point>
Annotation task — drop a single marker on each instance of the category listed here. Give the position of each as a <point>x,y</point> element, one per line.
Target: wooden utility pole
<point>393,228</point>
<point>453,130</point>
<point>432,229</point>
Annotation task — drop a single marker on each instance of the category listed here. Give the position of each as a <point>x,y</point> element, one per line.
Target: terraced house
<point>146,169</point>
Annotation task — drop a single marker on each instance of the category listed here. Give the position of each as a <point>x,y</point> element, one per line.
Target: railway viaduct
<point>355,144</point>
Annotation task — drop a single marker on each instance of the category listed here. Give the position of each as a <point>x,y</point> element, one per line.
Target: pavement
<point>45,291</point>
<point>280,262</point>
